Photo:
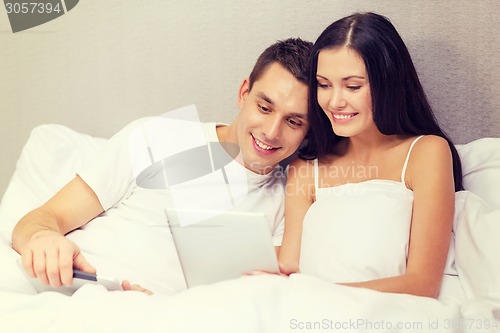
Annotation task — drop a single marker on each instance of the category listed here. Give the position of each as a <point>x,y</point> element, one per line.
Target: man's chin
<point>259,167</point>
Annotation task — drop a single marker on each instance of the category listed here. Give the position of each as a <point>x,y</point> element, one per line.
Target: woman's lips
<point>341,118</point>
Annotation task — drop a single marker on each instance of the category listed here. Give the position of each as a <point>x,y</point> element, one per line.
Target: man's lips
<point>263,148</point>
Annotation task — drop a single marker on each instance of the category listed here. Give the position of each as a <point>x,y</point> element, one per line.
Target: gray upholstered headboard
<point>105,63</point>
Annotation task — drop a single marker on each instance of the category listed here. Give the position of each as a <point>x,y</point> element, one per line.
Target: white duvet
<point>264,303</point>
<point>469,300</point>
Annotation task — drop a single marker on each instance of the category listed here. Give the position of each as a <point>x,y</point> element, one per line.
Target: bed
<point>469,300</point>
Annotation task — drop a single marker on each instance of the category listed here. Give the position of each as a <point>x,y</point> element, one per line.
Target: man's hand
<point>50,257</point>
<point>127,286</point>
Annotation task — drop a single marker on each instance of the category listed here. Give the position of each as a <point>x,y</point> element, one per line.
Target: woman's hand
<point>282,272</point>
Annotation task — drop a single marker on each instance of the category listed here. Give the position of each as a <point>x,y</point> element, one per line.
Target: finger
<point>27,260</point>
<point>39,267</point>
<point>284,270</point>
<point>126,285</point>
<point>264,273</point>
<point>79,262</point>
<point>66,267</point>
<point>137,287</point>
<point>256,273</point>
<point>52,267</point>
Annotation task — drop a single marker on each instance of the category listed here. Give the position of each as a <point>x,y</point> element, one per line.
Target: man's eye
<point>263,108</point>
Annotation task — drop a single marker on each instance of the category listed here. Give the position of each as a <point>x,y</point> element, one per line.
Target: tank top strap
<point>408,157</point>
<point>316,177</point>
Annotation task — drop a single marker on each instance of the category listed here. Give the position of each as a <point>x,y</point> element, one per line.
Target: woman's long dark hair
<point>398,99</point>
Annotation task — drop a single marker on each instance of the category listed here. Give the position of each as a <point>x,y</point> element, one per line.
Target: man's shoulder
<point>168,129</point>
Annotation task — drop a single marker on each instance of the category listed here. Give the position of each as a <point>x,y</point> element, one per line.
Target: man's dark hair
<point>292,53</point>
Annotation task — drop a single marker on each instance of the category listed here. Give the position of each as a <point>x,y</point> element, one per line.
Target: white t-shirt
<point>154,163</point>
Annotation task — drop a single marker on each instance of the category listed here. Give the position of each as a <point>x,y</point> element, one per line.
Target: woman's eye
<point>354,87</point>
<point>322,85</point>
<point>294,123</point>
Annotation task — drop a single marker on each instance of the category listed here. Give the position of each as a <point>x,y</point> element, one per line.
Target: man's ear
<point>243,92</point>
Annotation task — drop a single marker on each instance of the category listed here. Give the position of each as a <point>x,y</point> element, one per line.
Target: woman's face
<point>344,91</point>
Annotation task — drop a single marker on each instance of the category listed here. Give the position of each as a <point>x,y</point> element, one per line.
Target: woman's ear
<point>243,92</point>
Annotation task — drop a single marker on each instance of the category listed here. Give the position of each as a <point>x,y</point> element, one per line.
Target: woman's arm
<point>298,198</point>
<point>430,176</point>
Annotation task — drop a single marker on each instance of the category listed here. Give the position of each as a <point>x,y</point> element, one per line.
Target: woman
<point>371,202</point>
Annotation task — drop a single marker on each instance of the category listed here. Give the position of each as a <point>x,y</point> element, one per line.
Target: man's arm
<point>39,235</point>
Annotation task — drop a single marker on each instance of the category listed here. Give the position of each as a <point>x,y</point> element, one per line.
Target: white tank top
<point>358,231</point>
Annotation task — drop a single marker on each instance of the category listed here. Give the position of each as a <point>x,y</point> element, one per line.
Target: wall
<point>105,63</point>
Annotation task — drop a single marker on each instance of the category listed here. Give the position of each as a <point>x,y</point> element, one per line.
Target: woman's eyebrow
<point>345,78</point>
<point>353,77</point>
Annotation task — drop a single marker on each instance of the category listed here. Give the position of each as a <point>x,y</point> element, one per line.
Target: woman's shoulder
<point>431,155</point>
<point>430,144</point>
<point>302,168</point>
<point>300,162</point>
<point>300,181</point>
<point>428,151</point>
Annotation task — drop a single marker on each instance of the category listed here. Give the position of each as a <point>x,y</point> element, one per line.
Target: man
<point>120,191</point>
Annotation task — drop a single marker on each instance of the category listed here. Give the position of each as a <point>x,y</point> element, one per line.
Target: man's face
<point>273,118</point>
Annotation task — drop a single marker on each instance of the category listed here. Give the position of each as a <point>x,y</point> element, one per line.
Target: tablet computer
<point>79,279</point>
<point>218,245</point>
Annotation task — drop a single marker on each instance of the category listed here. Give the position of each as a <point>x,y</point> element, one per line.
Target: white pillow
<point>51,157</point>
<point>481,168</point>
<point>477,228</point>
<point>48,161</point>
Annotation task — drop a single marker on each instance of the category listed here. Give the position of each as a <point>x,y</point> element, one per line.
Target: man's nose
<point>274,129</point>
